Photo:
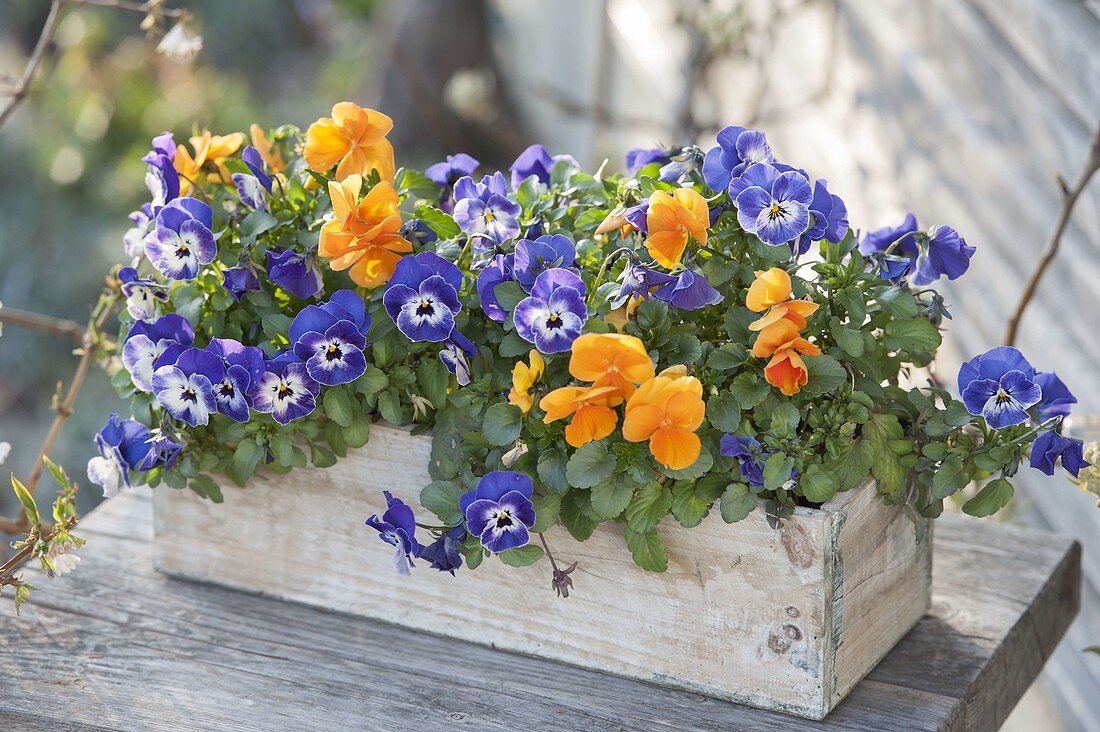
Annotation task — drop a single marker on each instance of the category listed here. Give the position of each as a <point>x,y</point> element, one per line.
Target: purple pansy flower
<point>147,341</point>
<point>286,391</point>
<point>775,206</point>
<point>422,297</point>
<point>163,451</point>
<point>331,337</point>
<point>244,365</point>
<point>397,527</point>
<point>638,158</point>
<point>182,241</point>
<point>750,456</point>
<point>999,385</point>
<point>536,161</point>
<point>133,241</point>
<point>636,281</point>
<point>1050,446</point>
<point>446,173</point>
<point>443,553</point>
<point>484,211</point>
<point>1057,400</point>
<point>456,354</point>
<point>830,218</point>
<point>417,231</point>
<point>552,317</point>
<point>239,280</point>
<point>142,296</point>
<point>123,446</point>
<point>161,178</point>
<point>499,270</point>
<point>532,258</point>
<point>738,148</point>
<point>294,273</point>
<point>254,189</point>
<point>499,510</point>
<point>186,388</point>
<point>689,291</point>
<point>637,216</point>
<point>923,256</point>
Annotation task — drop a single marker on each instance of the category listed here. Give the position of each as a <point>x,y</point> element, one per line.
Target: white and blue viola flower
<point>133,241</point>
<point>123,446</point>
<point>499,510</point>
<point>1057,399</point>
<point>255,189</point>
<point>186,388</point>
<point>182,241</point>
<point>422,297</point>
<point>1000,386</point>
<point>484,211</point>
<point>331,337</point>
<point>161,177</point>
<point>149,341</point>
<point>397,527</point>
<point>773,205</point>
<point>244,365</point>
<point>922,257</point>
<point>552,317</point>
<point>143,297</point>
<point>501,268</point>
<point>533,257</point>
<point>738,148</point>
<point>164,450</point>
<point>456,354</point>
<point>286,391</point>
<point>829,218</point>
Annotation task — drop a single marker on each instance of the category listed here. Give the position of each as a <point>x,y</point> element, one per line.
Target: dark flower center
<point>504,520</point>
<point>227,389</point>
<point>183,251</point>
<point>553,321</point>
<point>189,395</point>
<point>333,352</point>
<point>1003,396</point>
<point>425,308</point>
<point>285,392</point>
<point>776,211</point>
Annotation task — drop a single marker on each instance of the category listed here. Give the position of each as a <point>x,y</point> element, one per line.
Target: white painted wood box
<point>787,619</point>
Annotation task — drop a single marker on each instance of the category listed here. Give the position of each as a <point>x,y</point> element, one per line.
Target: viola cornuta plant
<point>703,333</point>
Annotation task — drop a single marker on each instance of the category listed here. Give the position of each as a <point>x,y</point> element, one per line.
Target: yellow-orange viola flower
<point>782,334</point>
<point>787,371</point>
<point>611,359</point>
<point>671,220</point>
<point>771,291</point>
<point>523,378</point>
<point>363,236</point>
<point>592,418</point>
<point>209,148</point>
<point>354,140</point>
<point>268,152</point>
<point>666,410</point>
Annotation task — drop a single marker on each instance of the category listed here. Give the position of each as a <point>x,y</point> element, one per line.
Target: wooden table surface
<point>118,646</point>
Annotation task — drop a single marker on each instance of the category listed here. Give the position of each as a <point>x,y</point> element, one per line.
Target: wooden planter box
<point>787,619</point>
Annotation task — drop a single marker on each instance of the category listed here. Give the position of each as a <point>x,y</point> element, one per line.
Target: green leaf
<point>737,502</point>
<point>441,498</point>
<point>748,390</point>
<point>825,374</point>
<point>358,433</point>
<point>951,477</point>
<point>724,412</point>
<point>912,336</point>
<point>521,556</point>
<point>777,470</point>
<point>433,378</point>
<point>649,505</point>
<point>886,465</point>
<point>610,497</point>
<point>590,464</point>
<point>691,500</point>
<point>337,406</point>
<point>30,508</point>
<point>848,338</point>
<point>574,516</point>
<point>441,223</point>
<point>246,457</point>
<point>513,346</point>
<point>647,550</point>
<point>817,484</point>
<point>728,357</point>
<point>853,465</point>
<point>784,420</point>
<point>257,223</point>
<point>205,486</point>
<point>389,406</point>
<point>372,381</point>
<point>321,456</point>
<point>992,498</point>
<point>551,469</point>
<point>501,424</point>
<point>547,510</point>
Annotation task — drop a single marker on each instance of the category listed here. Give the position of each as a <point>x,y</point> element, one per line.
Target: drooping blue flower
<point>775,206</point>
<point>447,173</point>
<point>999,385</point>
<point>398,528</point>
<point>501,269</point>
<point>255,189</point>
<point>750,456</point>
<point>123,446</point>
<point>536,161</point>
<point>484,211</point>
<point>1050,446</point>
<point>499,510</point>
<point>443,553</point>
<point>532,258</point>
<point>286,391</point>
<point>738,148</point>
<point>829,218</point>
<point>182,241</point>
<point>689,291</point>
<point>186,388</point>
<point>456,354</point>
<point>147,341</point>
<point>417,231</point>
<point>638,158</point>
<point>161,177</point>
<point>422,297</point>
<point>239,280</point>
<point>142,295</point>
<point>163,452</point>
<point>637,280</point>
<point>554,314</point>
<point>1057,399</point>
<point>637,215</point>
<point>133,241</point>
<point>294,273</point>
<point>942,252</point>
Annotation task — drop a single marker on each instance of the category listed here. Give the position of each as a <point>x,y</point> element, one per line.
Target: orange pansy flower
<point>592,418</point>
<point>666,410</point>
<point>363,235</point>
<point>787,371</point>
<point>782,334</point>
<point>209,148</point>
<point>523,377</point>
<point>268,152</point>
<point>771,291</point>
<point>354,140</point>
<point>611,359</point>
<point>671,219</point>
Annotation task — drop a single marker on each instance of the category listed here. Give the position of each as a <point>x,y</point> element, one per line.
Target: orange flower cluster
<point>209,148</point>
<point>671,219</point>
<point>354,140</point>
<point>780,330</point>
<point>666,410</point>
<point>363,236</point>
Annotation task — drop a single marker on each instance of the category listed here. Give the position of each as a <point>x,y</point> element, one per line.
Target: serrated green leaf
<point>509,294</point>
<point>886,464</point>
<point>373,381</point>
<point>737,502</point>
<point>825,374</point>
<point>897,302</point>
<point>205,486</point>
<point>848,338</point>
<point>724,412</point>
<point>818,485</point>
<point>433,378</point>
<point>777,471</point>
<point>951,477</point>
<point>727,357</point>
<point>358,432</point>
<point>610,497</point>
<point>650,504</point>
<point>992,498</point>
<point>521,556</point>
<point>911,336</point>
<point>337,406</point>
<point>748,391</point>
<point>647,549</point>
<point>441,223</point>
<point>246,457</point>
<point>589,465</point>
<point>441,498</point>
<point>501,424</point>
<point>547,508</point>
<point>574,515</point>
<point>551,469</point>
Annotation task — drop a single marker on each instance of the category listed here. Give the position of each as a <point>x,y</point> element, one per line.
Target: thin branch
<point>1069,199</point>
<point>153,7</point>
<point>48,324</point>
<point>19,91</point>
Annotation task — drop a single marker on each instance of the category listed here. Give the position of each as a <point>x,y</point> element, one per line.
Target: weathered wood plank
<point>119,646</point>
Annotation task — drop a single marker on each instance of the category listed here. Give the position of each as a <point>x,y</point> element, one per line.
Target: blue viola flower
<point>689,291</point>
<point>239,280</point>
<point>536,161</point>
<point>161,177</point>
<point>422,297</point>
<point>1000,386</point>
<point>1050,446</point>
<point>532,258</point>
<point>443,553</point>
<point>186,388</point>
<point>133,241</point>
<point>501,269</point>
<point>456,354</point>
<point>499,510</point>
<point>638,158</point>
<point>738,148</point>
<point>750,456</point>
<point>552,317</point>
<point>447,173</point>
<point>331,337</point>
<point>182,241</point>
<point>123,446</point>
<point>255,189</point>
<point>163,452</point>
<point>398,528</point>
<point>148,341</point>
<point>942,252</point>
<point>1057,399</point>
<point>637,216</point>
<point>286,391</point>
<point>638,281</point>
<point>775,206</point>
<point>830,218</point>
<point>418,232</point>
<point>484,211</point>
<point>243,367</point>
<point>293,272</point>
<point>142,295</point>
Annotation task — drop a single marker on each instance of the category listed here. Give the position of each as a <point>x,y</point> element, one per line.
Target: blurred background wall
<point>962,111</point>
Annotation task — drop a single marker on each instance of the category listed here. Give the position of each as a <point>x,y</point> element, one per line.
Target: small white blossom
<point>180,44</point>
<point>64,564</point>
<point>514,454</point>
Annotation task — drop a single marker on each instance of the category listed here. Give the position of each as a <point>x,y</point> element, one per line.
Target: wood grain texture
<point>789,619</point>
<point>118,646</point>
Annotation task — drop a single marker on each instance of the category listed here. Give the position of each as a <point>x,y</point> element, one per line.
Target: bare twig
<point>1069,199</point>
<point>55,326</point>
<point>19,91</point>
